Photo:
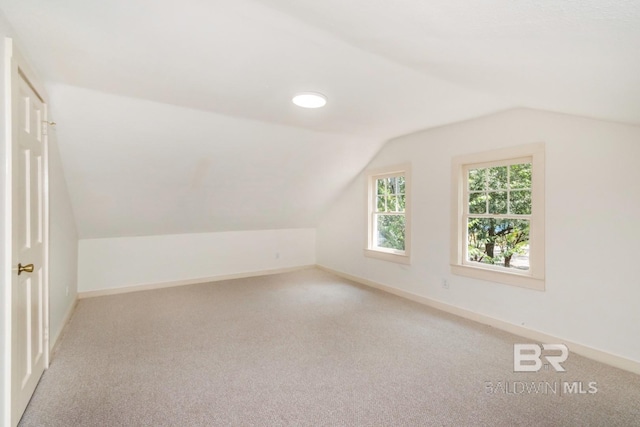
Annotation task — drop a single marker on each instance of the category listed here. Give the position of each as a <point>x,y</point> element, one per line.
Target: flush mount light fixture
<point>310,100</point>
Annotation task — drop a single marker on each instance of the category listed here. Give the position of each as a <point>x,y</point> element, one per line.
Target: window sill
<point>512,279</point>
<point>388,256</point>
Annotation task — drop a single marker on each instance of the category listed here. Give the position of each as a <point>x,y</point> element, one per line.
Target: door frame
<point>16,67</point>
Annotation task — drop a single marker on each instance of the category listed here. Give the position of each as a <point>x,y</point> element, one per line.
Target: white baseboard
<point>583,350</point>
<point>55,339</point>
<point>193,281</point>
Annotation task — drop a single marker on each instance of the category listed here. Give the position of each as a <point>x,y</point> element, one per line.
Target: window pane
<point>477,203</point>
<point>477,179</point>
<point>392,185</point>
<point>498,178</point>
<point>520,202</point>
<point>520,175</point>
<point>498,202</point>
<point>401,184</point>
<point>380,185</point>
<point>392,204</point>
<point>497,241</point>
<point>390,231</point>
<point>401,203</point>
<point>380,205</point>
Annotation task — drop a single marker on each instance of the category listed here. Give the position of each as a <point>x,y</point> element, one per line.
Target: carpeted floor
<point>305,349</point>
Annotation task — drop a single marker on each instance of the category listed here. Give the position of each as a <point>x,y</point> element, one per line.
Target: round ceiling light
<point>310,100</point>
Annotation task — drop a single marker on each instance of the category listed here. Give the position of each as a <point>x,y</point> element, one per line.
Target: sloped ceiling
<point>136,167</point>
<point>574,56</point>
<point>176,116</point>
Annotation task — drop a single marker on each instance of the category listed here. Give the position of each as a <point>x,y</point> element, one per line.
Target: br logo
<point>528,357</point>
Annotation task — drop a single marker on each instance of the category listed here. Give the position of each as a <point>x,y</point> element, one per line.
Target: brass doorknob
<point>26,268</point>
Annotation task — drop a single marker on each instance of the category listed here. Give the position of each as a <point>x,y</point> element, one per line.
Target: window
<point>498,231</point>
<point>389,214</point>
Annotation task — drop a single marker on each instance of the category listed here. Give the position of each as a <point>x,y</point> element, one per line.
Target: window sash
<point>397,210</point>
<point>377,213</point>
<point>374,231</point>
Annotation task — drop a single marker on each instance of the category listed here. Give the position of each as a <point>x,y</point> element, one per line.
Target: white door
<point>29,293</point>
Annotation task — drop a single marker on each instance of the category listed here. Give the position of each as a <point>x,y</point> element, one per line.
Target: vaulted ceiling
<point>176,116</point>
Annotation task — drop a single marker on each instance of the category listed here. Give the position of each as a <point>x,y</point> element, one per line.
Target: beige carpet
<point>303,349</point>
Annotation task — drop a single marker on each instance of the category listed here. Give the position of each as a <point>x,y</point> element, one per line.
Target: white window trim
<point>534,278</point>
<point>401,257</point>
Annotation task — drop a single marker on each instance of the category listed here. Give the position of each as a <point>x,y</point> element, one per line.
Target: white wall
<point>112,263</point>
<point>63,245</point>
<point>592,217</point>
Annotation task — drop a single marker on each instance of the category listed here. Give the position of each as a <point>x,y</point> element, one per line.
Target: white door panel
<point>29,298</point>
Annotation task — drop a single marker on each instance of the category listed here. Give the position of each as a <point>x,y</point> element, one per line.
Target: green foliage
<point>391,231</point>
<point>500,190</point>
<point>496,241</point>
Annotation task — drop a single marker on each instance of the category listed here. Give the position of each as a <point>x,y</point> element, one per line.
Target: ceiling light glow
<point>310,100</point>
